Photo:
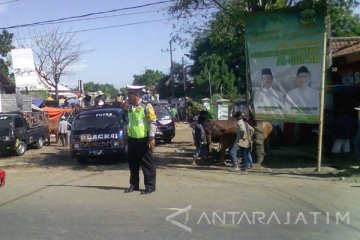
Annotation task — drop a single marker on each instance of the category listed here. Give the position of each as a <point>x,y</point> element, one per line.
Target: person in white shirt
<point>268,100</point>
<point>63,131</point>
<point>303,99</point>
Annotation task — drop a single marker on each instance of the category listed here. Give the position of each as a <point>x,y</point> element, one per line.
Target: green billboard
<point>285,52</point>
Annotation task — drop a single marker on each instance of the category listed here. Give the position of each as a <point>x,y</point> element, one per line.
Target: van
<point>99,132</point>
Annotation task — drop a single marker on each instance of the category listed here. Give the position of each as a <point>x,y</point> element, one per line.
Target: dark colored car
<point>161,103</point>
<point>19,130</point>
<point>165,126</point>
<point>99,132</point>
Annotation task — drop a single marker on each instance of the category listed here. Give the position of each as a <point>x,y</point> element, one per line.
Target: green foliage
<point>217,74</point>
<point>343,22</point>
<point>123,91</point>
<point>5,43</point>
<point>192,108</point>
<point>6,39</point>
<point>108,89</point>
<point>178,75</point>
<point>43,94</point>
<point>164,87</point>
<point>224,36</point>
<point>149,78</point>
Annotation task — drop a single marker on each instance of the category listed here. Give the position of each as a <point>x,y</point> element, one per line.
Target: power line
<point>92,18</point>
<point>85,15</point>
<point>2,3</point>
<point>106,27</point>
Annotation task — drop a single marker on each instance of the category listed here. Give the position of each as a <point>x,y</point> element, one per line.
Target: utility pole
<point>210,84</point>
<point>184,75</point>
<point>184,81</point>
<point>171,70</point>
<point>171,66</point>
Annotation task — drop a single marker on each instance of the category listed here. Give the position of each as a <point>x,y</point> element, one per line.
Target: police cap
<point>134,88</point>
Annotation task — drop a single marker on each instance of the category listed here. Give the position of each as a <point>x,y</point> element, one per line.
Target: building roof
<point>341,46</point>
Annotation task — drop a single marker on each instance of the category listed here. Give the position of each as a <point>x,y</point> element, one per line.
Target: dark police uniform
<point>141,129</point>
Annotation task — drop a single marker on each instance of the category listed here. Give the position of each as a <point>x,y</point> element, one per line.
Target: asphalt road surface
<point>49,196</point>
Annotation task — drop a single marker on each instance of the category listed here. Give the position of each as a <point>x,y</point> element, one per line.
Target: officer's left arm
<point>151,117</point>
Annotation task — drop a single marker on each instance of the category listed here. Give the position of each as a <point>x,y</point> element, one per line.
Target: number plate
<point>96,152</point>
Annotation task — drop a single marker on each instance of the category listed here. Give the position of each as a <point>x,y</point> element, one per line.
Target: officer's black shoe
<point>131,189</point>
<point>147,191</point>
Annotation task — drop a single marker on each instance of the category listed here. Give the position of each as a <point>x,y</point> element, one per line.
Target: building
<point>343,89</point>
<point>8,101</point>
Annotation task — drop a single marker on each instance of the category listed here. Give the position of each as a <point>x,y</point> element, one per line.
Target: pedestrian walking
<point>244,133</point>
<point>200,140</point>
<point>63,131</point>
<point>141,141</point>
<point>174,113</point>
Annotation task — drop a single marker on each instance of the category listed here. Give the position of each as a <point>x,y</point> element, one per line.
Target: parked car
<point>98,132</point>
<point>2,178</point>
<point>165,126</point>
<point>18,130</point>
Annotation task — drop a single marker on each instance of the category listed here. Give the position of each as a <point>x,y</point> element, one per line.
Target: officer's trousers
<point>140,155</point>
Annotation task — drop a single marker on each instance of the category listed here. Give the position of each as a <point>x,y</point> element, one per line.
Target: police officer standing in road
<point>141,141</point>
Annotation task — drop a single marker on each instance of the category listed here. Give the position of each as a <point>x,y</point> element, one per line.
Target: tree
<point>217,76</point>
<point>149,79</point>
<point>344,23</point>
<point>54,52</point>
<point>6,45</point>
<point>164,87</point>
<point>177,74</point>
<point>108,89</point>
<point>223,35</point>
<point>153,80</point>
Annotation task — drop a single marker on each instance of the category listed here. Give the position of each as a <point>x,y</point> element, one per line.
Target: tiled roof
<point>344,45</point>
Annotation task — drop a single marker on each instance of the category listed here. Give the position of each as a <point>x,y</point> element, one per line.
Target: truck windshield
<point>5,127</point>
<point>162,113</point>
<point>91,122</point>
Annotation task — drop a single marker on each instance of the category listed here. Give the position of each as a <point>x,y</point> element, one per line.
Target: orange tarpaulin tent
<point>56,113</point>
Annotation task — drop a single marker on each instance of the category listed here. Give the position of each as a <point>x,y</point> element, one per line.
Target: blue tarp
<point>37,102</point>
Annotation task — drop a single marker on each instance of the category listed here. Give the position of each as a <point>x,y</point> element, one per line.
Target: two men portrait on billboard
<point>286,97</point>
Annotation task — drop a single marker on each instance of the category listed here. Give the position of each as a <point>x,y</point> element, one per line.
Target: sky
<point>116,53</point>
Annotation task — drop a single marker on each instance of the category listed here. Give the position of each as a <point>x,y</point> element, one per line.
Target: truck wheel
<point>82,160</point>
<point>40,143</point>
<point>167,140</point>
<point>21,148</point>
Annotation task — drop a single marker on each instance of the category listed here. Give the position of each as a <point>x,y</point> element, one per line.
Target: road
<point>49,196</point>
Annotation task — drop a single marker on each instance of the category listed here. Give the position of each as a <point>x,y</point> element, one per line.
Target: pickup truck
<point>99,132</point>
<point>18,130</point>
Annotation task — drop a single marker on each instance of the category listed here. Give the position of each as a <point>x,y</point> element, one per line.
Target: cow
<point>224,132</point>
